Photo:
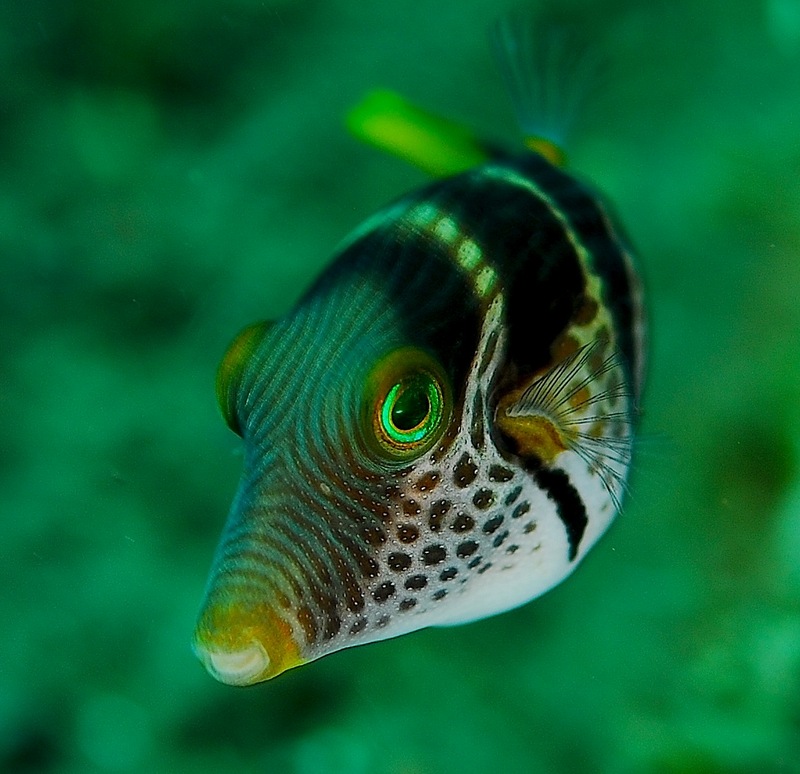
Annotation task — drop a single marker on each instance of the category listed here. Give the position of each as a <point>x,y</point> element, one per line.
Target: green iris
<point>412,409</point>
<point>407,403</point>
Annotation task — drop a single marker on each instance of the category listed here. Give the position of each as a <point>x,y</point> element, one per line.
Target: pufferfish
<point>442,427</point>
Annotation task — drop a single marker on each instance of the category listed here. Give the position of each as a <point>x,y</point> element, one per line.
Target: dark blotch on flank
<point>448,574</point>
<point>484,498</point>
<point>484,568</point>
<point>407,604</point>
<point>440,594</point>
<point>382,621</point>
<point>500,539</point>
<point>493,523</point>
<point>475,562</point>
<point>416,582</point>
<point>437,513</point>
<point>358,626</point>
<point>501,474</point>
<point>520,510</point>
<point>407,533</point>
<point>465,471</point>
<point>383,592</point>
<point>463,523</point>
<point>465,549</point>
<point>513,495</point>
<point>433,554</point>
<point>428,481</point>
<point>411,507</point>
<point>398,561</point>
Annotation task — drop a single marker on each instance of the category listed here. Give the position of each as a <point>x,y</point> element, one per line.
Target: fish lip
<point>243,666</point>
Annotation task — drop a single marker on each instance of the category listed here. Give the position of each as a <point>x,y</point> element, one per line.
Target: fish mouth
<point>241,643</point>
<point>244,666</point>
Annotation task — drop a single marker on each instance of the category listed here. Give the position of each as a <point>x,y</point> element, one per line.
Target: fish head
<point>338,404</point>
<point>435,433</point>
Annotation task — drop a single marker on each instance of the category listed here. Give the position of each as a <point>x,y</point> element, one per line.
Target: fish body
<point>438,431</point>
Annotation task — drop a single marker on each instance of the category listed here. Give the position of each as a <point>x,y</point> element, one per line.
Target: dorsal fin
<point>548,70</point>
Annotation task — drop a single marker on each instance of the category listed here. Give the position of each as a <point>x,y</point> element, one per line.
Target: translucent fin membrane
<point>549,73</point>
<point>434,144</point>
<point>230,370</point>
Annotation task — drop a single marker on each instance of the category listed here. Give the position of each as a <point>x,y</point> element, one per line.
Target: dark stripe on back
<point>584,210</point>
<point>525,243</point>
<point>539,268</point>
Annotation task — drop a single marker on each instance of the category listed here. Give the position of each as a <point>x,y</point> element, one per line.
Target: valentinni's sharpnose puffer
<point>442,427</point>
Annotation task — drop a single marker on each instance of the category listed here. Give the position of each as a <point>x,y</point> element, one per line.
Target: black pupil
<point>411,407</point>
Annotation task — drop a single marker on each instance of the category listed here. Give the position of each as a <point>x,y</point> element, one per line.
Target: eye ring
<point>412,408</point>
<point>408,401</point>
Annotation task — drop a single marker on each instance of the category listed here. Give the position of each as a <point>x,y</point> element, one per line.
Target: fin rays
<point>557,395</point>
<point>548,71</point>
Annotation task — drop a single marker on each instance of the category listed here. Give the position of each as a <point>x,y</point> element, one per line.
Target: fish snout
<point>245,666</point>
<point>242,645</point>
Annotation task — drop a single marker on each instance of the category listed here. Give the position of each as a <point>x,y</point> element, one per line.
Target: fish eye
<point>409,403</point>
<point>412,409</point>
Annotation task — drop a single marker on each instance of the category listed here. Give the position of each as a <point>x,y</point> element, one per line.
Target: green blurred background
<point>172,170</point>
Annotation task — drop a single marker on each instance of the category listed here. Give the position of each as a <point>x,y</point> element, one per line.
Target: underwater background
<point>174,170</point>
